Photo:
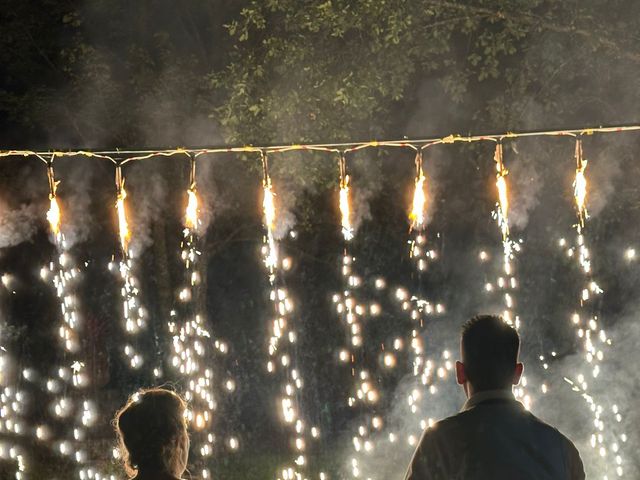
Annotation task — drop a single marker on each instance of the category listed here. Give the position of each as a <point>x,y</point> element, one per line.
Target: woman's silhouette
<point>152,435</point>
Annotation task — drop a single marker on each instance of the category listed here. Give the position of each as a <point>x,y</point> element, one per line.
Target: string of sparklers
<point>131,155</point>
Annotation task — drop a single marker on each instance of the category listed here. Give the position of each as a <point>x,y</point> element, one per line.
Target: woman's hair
<point>149,428</point>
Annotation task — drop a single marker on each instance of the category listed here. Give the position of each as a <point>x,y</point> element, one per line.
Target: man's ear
<point>517,373</point>
<point>461,375</point>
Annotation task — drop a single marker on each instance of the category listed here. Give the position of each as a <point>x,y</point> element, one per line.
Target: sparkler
<point>133,312</point>
<point>592,337</point>
<point>427,372</point>
<point>365,392</point>
<point>192,344</point>
<point>70,375</point>
<point>507,283</point>
<point>282,343</point>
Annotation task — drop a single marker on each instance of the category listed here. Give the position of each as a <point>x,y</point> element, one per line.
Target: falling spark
<point>191,216</point>
<point>345,209</point>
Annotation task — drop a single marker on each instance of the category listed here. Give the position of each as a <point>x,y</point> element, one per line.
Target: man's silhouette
<point>494,436</point>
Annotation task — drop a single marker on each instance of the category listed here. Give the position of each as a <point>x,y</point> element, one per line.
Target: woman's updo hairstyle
<point>149,429</point>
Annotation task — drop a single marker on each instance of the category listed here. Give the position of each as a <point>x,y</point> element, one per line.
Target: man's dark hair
<point>489,352</point>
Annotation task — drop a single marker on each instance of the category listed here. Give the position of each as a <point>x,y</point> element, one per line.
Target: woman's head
<point>152,432</point>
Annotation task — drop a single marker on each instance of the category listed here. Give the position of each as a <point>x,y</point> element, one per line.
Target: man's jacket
<point>494,437</point>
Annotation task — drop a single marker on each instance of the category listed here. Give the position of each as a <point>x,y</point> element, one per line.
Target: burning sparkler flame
<point>53,215</point>
<point>269,208</point>
<point>417,215</point>
<point>123,226</point>
<point>191,216</point>
<point>580,186</point>
<point>503,198</point>
<point>345,209</point>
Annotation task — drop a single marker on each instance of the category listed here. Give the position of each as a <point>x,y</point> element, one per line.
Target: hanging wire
<point>416,144</point>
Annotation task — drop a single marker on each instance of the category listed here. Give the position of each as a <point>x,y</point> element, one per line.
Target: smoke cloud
<point>74,192</point>
<point>146,201</point>
<point>17,225</point>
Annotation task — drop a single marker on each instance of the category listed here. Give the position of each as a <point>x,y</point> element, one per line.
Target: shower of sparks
<point>365,393</point>
<point>281,348</point>
<point>345,209</point>
<point>606,439</point>
<point>426,370</point>
<point>14,426</point>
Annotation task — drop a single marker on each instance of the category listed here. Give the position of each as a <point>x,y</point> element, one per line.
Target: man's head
<point>489,348</point>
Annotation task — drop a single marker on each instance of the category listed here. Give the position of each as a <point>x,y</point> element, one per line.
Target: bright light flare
<point>269,210</point>
<point>191,215</point>
<point>123,226</point>
<point>268,206</point>
<point>417,215</point>
<point>580,191</point>
<point>345,209</point>
<point>53,215</point>
<point>503,197</point>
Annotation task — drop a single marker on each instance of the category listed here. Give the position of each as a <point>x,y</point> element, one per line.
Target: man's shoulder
<point>550,429</point>
<point>449,425</point>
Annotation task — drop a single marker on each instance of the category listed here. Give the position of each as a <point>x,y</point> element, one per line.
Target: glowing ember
<point>345,209</point>
<point>53,215</point>
<point>417,215</point>
<point>191,216</point>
